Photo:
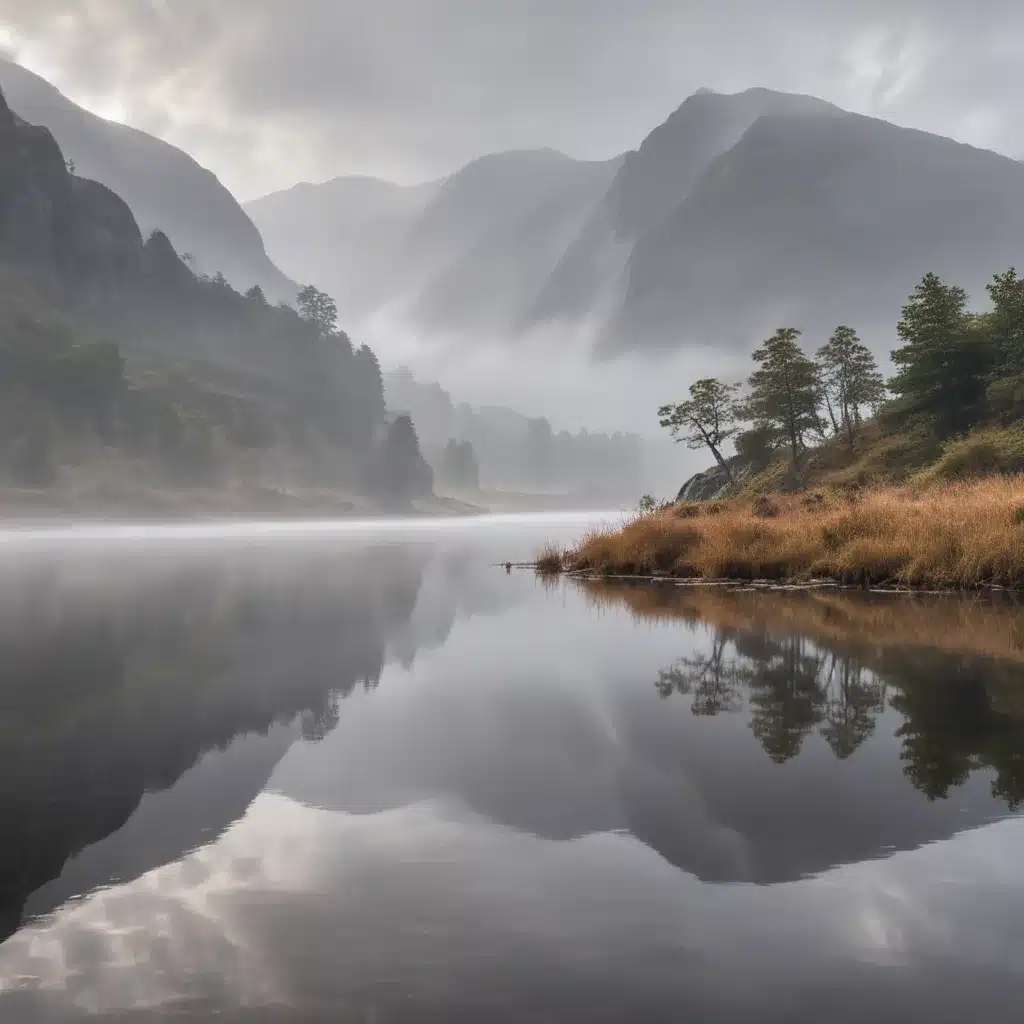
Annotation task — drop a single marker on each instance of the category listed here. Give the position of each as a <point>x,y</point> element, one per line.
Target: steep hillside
<point>342,235</point>
<point>219,385</point>
<point>820,220</point>
<point>493,268</point>
<point>165,188</point>
<point>650,184</point>
<point>470,252</point>
<point>738,214</point>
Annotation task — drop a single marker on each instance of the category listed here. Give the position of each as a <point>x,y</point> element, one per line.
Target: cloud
<point>267,92</point>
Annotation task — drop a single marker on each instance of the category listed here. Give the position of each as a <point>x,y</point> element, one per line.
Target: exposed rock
<point>59,228</point>
<point>706,486</point>
<point>164,187</point>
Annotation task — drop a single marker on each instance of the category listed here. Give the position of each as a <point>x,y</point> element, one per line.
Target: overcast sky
<point>269,92</point>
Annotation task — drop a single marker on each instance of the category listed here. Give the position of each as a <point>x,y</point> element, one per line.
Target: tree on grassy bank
<point>945,360</point>
<point>785,392</point>
<point>849,377</point>
<point>957,372</point>
<point>707,419</point>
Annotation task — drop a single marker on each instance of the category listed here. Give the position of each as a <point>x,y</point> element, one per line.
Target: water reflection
<point>961,712</point>
<point>113,691</point>
<point>395,782</point>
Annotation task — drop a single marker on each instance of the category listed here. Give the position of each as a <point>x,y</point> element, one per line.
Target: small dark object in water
<point>508,568</point>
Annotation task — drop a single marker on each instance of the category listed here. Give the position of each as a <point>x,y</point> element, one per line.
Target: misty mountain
<point>468,253</point>
<point>164,187</point>
<point>738,214</point>
<point>218,385</point>
<point>816,220</point>
<point>651,183</point>
<point>341,235</point>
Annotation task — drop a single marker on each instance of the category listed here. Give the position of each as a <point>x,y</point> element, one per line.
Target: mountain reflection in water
<point>388,778</point>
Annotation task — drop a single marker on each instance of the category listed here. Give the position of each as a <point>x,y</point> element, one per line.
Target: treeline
<point>213,384</point>
<point>495,447</point>
<point>69,404</point>
<point>955,369</point>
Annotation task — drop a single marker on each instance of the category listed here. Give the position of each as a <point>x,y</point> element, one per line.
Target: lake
<point>360,772</point>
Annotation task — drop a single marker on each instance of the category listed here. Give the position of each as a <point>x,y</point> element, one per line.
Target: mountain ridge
<point>166,188</point>
<point>697,236</point>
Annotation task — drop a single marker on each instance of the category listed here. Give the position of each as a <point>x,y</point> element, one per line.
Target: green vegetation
<point>850,381</point>
<point>951,410</point>
<point>78,419</point>
<point>926,493</point>
<point>706,420</point>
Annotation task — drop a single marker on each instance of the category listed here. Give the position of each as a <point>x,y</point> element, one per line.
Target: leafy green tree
<point>319,309</point>
<point>758,446</point>
<point>255,294</point>
<point>707,419</point>
<point>849,376</point>
<point>945,360</point>
<point>785,391</point>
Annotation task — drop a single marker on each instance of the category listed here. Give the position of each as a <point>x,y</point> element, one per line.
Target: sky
<point>269,92</point>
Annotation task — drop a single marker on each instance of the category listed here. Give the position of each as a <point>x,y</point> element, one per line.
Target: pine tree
<point>945,359</point>
<point>849,375</point>
<point>785,392</point>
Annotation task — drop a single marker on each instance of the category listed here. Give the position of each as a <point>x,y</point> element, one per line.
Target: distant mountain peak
<point>164,187</point>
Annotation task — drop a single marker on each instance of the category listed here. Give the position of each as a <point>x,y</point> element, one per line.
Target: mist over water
<point>329,770</point>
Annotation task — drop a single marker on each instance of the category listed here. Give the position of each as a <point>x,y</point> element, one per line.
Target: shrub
<point>550,561</point>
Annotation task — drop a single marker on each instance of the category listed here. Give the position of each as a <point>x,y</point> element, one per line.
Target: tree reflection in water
<point>963,710</point>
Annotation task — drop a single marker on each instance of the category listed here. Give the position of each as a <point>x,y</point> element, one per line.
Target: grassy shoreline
<point>966,536</point>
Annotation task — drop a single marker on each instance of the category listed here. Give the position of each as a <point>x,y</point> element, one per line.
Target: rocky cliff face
<point>706,486</point>
<point>65,232</point>
<point>164,187</point>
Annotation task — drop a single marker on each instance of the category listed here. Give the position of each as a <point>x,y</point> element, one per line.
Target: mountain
<point>217,386</point>
<point>165,188</point>
<point>817,220</point>
<point>650,185</point>
<point>736,215</point>
<point>341,235</point>
<point>467,253</point>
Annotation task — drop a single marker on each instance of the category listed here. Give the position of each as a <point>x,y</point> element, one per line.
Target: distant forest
<point>121,371</point>
<point>504,450</point>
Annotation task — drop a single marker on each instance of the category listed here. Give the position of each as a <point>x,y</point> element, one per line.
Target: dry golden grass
<point>549,561</point>
<point>962,535</point>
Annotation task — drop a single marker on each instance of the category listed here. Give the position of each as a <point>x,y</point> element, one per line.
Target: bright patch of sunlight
<point>109,108</point>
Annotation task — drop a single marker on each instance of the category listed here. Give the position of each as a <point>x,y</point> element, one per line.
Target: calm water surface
<point>361,773</point>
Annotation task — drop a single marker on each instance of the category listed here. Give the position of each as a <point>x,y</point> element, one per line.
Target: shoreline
<point>171,506</point>
<point>957,537</point>
<point>146,505</point>
<point>740,585</point>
